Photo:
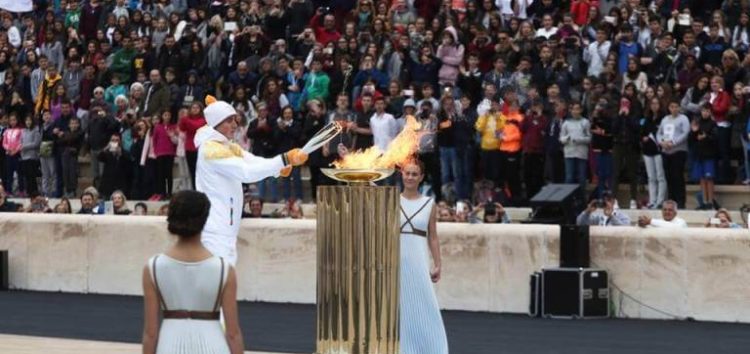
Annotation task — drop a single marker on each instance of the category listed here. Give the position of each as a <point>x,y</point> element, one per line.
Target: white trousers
<point>657,182</point>
<point>221,245</point>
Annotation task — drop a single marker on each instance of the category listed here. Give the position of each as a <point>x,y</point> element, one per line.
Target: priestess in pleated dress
<point>189,287</point>
<point>422,329</point>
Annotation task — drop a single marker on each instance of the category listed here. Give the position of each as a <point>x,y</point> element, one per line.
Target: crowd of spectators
<point>513,94</point>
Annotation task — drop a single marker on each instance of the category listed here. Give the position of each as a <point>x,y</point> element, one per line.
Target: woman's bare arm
<point>231,318</point>
<point>434,242</point>
<point>150,313</point>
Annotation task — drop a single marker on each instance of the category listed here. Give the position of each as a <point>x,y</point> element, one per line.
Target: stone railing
<point>698,273</point>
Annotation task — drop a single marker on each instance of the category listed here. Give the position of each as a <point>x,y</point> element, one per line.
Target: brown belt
<point>193,315</point>
<point>416,232</point>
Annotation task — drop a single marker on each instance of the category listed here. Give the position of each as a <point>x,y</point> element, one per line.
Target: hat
<point>410,103</point>
<point>217,111</point>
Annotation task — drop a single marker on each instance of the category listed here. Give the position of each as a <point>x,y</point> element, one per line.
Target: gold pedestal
<point>358,270</point>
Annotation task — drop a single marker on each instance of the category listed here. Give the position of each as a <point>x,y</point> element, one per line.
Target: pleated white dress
<point>190,286</point>
<point>421,325</point>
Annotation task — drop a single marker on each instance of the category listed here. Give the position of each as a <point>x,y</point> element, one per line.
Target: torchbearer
<point>222,168</point>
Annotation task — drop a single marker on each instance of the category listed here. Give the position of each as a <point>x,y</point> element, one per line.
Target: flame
<point>400,150</point>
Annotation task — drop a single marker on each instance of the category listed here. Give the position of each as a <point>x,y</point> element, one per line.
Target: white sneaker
<point>633,204</point>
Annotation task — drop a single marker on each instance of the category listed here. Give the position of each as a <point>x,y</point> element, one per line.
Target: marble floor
<point>37,345</point>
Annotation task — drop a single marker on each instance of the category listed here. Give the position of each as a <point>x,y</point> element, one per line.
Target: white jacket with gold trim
<point>222,168</point>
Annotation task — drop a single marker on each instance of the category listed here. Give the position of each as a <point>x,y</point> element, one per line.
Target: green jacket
<point>72,18</point>
<point>122,63</point>
<point>316,86</point>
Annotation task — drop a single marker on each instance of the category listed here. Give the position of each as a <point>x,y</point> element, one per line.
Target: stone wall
<point>699,273</point>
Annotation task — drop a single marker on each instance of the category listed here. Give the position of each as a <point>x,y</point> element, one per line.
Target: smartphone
<point>714,221</point>
<point>683,20</point>
<point>610,19</point>
<point>460,207</point>
<point>409,93</point>
<point>230,26</point>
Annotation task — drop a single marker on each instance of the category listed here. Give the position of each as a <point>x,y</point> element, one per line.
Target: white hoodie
<point>222,168</point>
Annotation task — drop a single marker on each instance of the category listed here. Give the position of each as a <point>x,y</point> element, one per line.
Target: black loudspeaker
<point>575,293</point>
<point>4,270</point>
<point>574,246</point>
<point>556,204</point>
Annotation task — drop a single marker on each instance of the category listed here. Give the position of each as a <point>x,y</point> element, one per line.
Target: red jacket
<point>580,10</point>
<point>720,106</point>
<point>321,35</point>
<point>532,130</point>
<point>189,125</point>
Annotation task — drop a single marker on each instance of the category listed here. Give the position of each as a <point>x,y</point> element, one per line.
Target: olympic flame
<point>399,151</point>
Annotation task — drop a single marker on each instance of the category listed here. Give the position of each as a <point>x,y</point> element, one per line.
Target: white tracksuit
<point>221,170</point>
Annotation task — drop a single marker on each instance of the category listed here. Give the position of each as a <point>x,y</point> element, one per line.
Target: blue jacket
<point>380,78</point>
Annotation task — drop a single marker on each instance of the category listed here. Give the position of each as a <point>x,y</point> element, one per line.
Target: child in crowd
<point>703,134</point>
<point>575,135</point>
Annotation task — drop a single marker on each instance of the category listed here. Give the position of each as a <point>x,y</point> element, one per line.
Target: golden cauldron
<point>358,251</point>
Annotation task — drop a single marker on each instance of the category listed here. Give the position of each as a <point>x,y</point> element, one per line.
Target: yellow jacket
<point>488,125</point>
<point>46,88</point>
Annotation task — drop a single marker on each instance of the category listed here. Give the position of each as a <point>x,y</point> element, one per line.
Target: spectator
<point>609,216</point>
<point>140,209</point>
<point>492,213</point>
<point>625,148</point>
<point>326,32</point>
<point>532,130</point>
<point>488,126</point>
<point>315,120</point>
<point>12,145</point>
<point>510,146</point>
<point>722,220</point>
<point>63,207</point>
<point>116,165</point>
<point>575,135</point>
<point>255,205</point>
<point>672,138</point>
<point>31,140</point>
<point>449,164</point>
<point>70,141</point>
<point>427,151</point>
<point>652,158</point>
<point>601,145</point>
<point>292,209</point>
<point>46,155</point>
<point>88,203</point>
<point>596,53</point>
<point>38,204</point>
<point>6,205</point>
<point>165,149</point>
<point>702,139</point>
<point>316,82</point>
<point>451,55</point>
<point>119,203</point>
<point>720,101</point>
<point>157,96</point>
<point>101,126</point>
<point>262,132</point>
<point>289,136</point>
<point>464,133</point>
<point>554,158</point>
<point>669,217</point>
<point>383,125</point>
<point>189,125</point>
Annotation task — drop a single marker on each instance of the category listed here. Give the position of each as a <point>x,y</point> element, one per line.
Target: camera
<point>324,10</point>
<point>489,208</point>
